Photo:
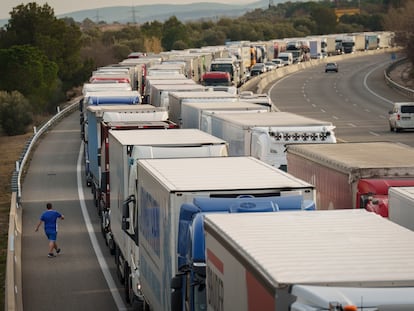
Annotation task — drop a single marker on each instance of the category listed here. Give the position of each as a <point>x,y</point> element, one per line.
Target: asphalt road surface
<point>82,277</point>
<point>356,99</point>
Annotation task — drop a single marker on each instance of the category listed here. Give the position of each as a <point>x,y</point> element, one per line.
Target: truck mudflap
<point>309,297</point>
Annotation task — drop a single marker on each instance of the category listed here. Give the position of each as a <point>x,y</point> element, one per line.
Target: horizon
<point>61,8</point>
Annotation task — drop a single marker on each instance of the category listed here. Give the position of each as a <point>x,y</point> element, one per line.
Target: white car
<point>270,66</point>
<point>278,62</point>
<point>401,116</point>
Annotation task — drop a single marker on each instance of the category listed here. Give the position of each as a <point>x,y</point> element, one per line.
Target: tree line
<point>42,58</point>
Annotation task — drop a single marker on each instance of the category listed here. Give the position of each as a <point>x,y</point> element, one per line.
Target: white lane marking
<point>373,133</point>
<point>102,263</point>
<point>371,91</point>
<point>351,125</point>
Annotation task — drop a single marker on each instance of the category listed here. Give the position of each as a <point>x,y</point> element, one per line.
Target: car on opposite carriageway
<point>331,66</point>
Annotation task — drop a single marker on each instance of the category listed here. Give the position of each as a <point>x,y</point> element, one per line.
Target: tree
<point>400,20</point>
<point>37,26</point>
<point>27,69</point>
<point>325,20</point>
<point>173,30</point>
<point>15,113</point>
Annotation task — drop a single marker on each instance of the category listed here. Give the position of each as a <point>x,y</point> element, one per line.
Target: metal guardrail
<point>402,89</point>
<point>13,284</point>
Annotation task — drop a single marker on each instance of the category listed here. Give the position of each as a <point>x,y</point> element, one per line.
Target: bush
<point>15,113</point>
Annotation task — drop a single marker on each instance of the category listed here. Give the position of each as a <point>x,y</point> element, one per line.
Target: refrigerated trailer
<point>164,185</point>
<point>127,148</point>
<point>192,112</point>
<point>321,260</point>
<point>176,99</point>
<point>401,206</point>
<point>265,135</point>
<point>102,118</point>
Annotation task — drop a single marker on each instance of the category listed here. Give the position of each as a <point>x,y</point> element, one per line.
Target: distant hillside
<point>148,13</point>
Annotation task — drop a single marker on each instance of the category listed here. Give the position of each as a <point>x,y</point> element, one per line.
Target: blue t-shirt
<point>49,217</point>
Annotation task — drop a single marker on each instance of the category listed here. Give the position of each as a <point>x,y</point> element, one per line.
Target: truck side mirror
<point>126,212</point>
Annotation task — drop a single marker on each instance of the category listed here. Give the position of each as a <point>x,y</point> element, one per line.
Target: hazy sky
<point>68,6</point>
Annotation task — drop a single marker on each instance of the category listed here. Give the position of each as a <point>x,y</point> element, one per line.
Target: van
<point>401,116</point>
<point>286,57</point>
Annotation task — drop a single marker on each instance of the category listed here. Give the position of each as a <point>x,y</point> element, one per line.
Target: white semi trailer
<point>308,261</point>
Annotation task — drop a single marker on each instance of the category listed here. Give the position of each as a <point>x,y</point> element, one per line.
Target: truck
<point>233,66</point>
<point>189,283</point>
<point>315,48</point>
<point>101,119</point>
<point>331,46</point>
<point>214,78</point>
<point>162,79</point>
<point>99,87</point>
<point>371,41</point>
<point>359,42</point>
<point>110,97</point>
<point>265,135</point>
<point>167,185</point>
<point>127,149</point>
<point>192,112</point>
<point>286,57</point>
<point>176,99</point>
<point>348,44</point>
<point>352,175</point>
<point>159,92</point>
<point>401,206</point>
<point>321,260</point>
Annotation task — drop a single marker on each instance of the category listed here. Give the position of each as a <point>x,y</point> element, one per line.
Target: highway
<point>83,276</point>
<point>356,99</point>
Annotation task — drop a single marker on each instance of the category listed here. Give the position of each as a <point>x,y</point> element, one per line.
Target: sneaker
<point>58,251</point>
<point>51,255</point>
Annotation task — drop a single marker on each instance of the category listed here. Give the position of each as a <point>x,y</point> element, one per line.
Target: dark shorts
<point>51,235</point>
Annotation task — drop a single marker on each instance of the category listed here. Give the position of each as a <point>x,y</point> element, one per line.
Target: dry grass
<point>11,150</point>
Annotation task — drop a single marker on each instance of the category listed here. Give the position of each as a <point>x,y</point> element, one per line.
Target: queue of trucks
<point>193,183</point>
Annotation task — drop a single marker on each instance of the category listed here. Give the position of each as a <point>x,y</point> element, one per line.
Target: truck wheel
<point>118,265</point>
<point>129,294</point>
<point>111,245</point>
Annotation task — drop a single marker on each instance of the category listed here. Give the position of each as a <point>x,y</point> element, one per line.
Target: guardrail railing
<point>400,88</point>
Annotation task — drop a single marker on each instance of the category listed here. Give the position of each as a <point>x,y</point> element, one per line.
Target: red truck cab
<point>214,78</point>
<point>372,194</point>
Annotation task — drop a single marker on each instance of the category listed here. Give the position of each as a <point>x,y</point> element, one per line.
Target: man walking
<point>49,218</point>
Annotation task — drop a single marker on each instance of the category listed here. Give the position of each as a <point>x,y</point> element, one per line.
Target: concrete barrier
<point>13,294</point>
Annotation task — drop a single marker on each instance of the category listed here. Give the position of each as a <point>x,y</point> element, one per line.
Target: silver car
<point>401,116</point>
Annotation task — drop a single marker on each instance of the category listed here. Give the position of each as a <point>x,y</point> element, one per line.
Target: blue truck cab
<point>188,286</point>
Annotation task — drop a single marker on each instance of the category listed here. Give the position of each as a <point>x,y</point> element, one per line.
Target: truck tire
<point>118,258</point>
<point>129,293</point>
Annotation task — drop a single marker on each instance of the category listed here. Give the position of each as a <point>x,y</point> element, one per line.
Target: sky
<point>68,6</point>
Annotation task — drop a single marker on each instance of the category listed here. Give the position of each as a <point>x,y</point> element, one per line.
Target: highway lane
<point>82,277</point>
<point>356,99</point>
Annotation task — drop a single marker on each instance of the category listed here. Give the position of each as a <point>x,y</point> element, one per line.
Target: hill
<point>162,12</point>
